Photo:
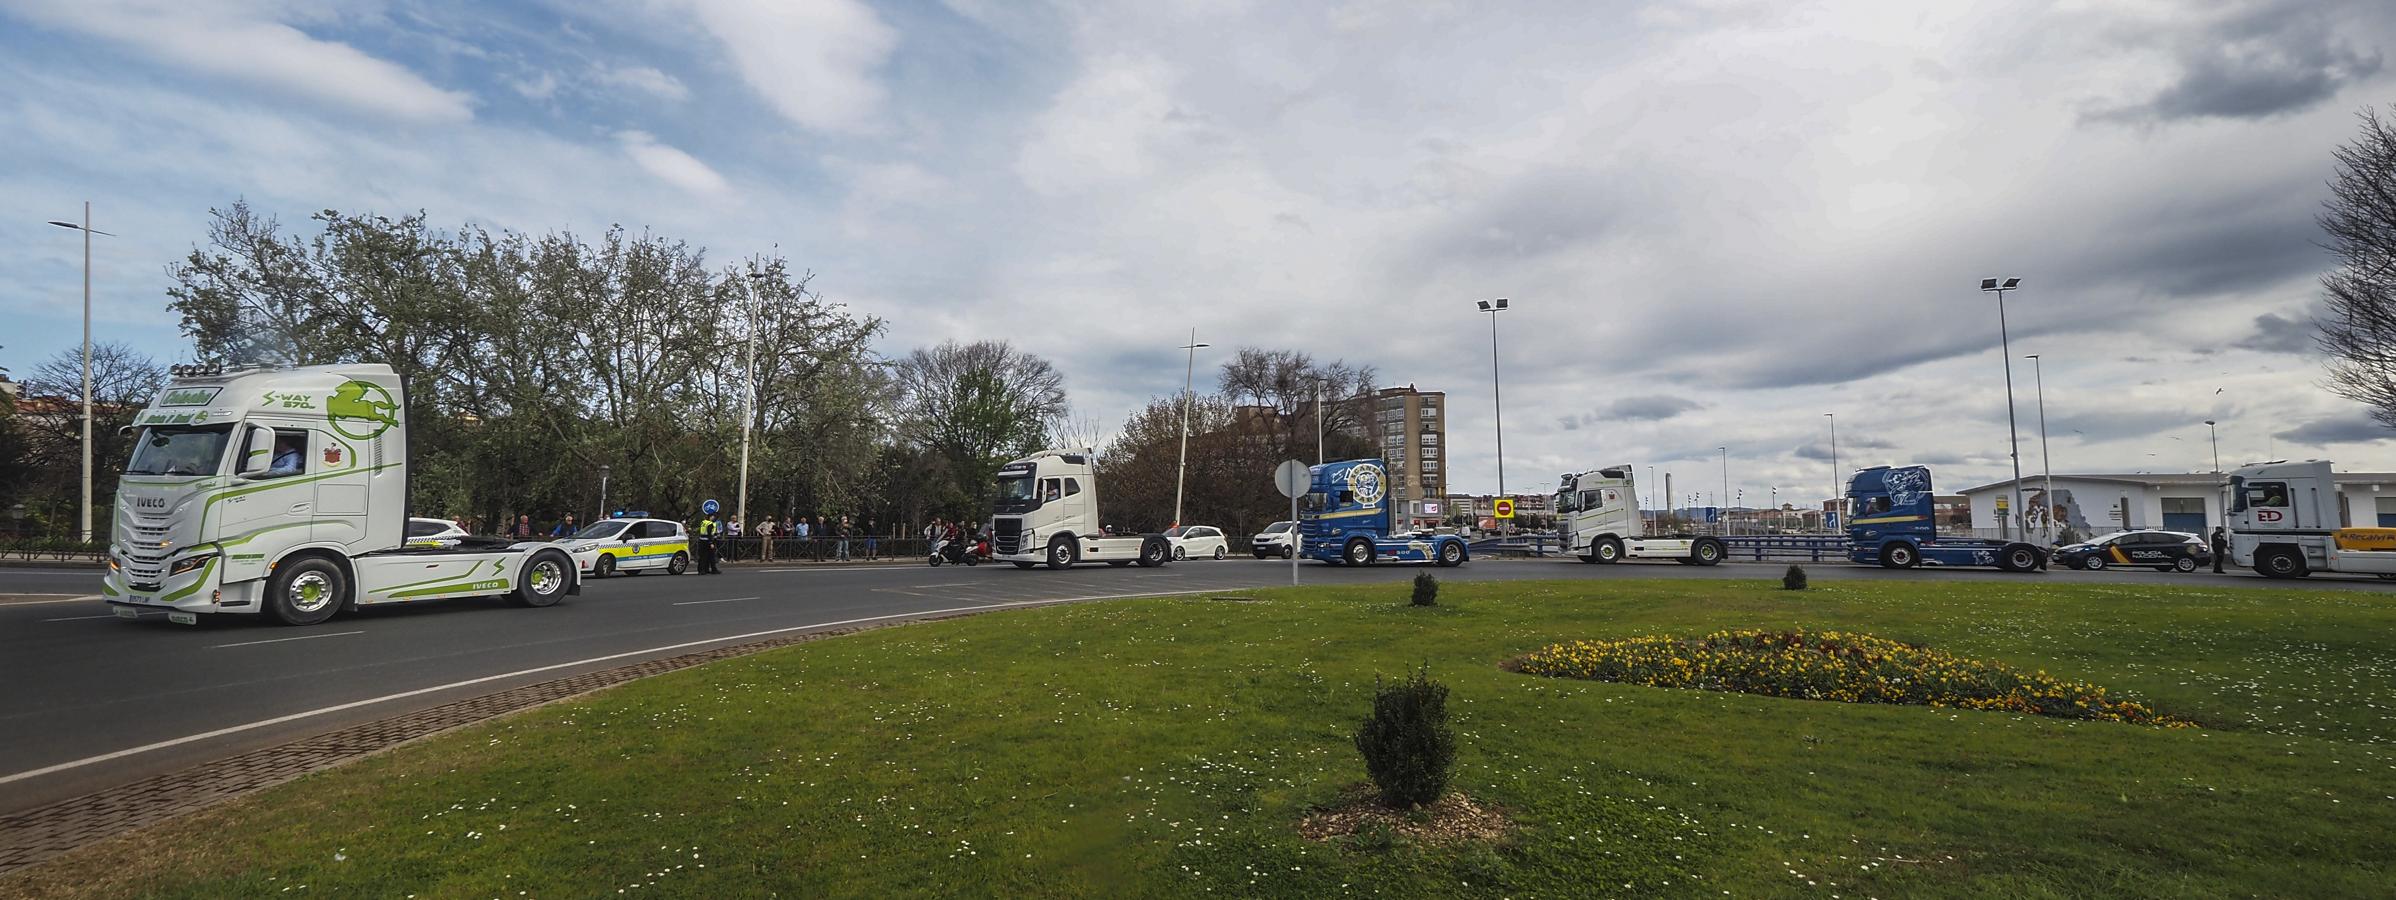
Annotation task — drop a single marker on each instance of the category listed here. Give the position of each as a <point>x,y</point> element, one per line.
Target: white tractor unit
<point>1597,518</point>
<point>2284,522</point>
<point>284,492</point>
<point>1047,514</point>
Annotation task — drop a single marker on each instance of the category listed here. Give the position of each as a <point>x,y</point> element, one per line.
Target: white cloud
<point>676,167</point>
<point>249,44</point>
<point>645,79</point>
<point>814,61</point>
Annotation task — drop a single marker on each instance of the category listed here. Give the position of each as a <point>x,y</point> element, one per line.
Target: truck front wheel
<point>544,580</point>
<point>2281,562</point>
<point>306,591</point>
<point>1607,550</point>
<point>1899,556</point>
<point>1060,552</point>
<point>1360,552</point>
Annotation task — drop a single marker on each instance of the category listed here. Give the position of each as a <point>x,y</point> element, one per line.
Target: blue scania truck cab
<point>1890,522</point>
<point>1345,519</point>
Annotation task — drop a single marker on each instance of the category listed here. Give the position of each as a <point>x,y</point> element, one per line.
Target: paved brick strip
<point>38,834</point>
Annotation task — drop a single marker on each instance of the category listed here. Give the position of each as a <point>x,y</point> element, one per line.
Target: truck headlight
<point>189,563</point>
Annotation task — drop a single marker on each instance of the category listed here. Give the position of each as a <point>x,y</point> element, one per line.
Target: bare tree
<point>1288,391</point>
<point>2358,322</point>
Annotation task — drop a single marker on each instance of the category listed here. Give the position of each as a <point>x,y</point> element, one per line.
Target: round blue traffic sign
<point>709,507</point>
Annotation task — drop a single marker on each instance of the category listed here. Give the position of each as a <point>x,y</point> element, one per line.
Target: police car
<point>630,545</point>
<point>2163,551</point>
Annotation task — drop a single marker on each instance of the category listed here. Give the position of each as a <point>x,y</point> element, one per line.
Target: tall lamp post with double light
<point>1838,492</point>
<point>2046,460</point>
<point>1189,368</point>
<point>2214,434</point>
<point>1999,286</point>
<point>85,530</point>
<point>603,470</point>
<point>1497,397</point>
<point>1724,516</point>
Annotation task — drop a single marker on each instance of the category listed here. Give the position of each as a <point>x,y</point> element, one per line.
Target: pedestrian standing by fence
<point>765,539</point>
<point>873,539</point>
<point>565,527</point>
<point>523,529</point>
<point>2221,547</point>
<point>843,536</point>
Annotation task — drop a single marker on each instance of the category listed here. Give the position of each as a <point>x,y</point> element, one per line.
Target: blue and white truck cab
<point>1891,521</point>
<point>1345,519</point>
<point>284,492</point>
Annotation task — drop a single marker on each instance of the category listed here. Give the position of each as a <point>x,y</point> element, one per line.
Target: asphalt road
<point>88,701</point>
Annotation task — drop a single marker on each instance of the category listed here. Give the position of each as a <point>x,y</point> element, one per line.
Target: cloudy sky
<point>1717,220</point>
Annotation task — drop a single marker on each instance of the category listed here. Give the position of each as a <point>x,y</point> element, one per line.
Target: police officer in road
<point>2221,547</point>
<point>710,527</point>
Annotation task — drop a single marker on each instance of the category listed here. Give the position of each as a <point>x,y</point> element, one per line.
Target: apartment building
<point>1410,427</point>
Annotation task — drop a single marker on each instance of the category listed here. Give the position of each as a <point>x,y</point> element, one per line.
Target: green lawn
<point>1167,747</point>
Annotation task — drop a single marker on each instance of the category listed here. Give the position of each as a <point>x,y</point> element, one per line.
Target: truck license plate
<point>180,617</point>
<point>127,612</point>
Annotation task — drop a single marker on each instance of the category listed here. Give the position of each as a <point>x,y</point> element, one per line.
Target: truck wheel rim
<point>311,591</point>
<point>1706,551</point>
<point>1606,552</point>
<point>545,577</point>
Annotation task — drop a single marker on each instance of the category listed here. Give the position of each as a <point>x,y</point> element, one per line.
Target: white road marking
<point>402,695</point>
<point>304,637</point>
<point>725,600</point>
<point>81,618</point>
<point>62,599</point>
<point>1162,575</point>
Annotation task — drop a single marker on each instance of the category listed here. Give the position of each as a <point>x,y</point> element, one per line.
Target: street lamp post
<point>1724,513</point>
<point>1837,490</point>
<point>1498,398</point>
<point>1189,368</point>
<point>86,228</point>
<point>2214,434</point>
<point>748,401</point>
<point>2046,461</point>
<point>603,470</point>
<point>2005,346</point>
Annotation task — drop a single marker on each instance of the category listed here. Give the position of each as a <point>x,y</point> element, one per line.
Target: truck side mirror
<point>257,452</point>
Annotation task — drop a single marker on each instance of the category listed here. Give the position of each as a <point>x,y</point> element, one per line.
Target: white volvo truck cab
<point>284,492</point>
<point>2285,522</point>
<point>1598,519</point>
<point>1047,514</point>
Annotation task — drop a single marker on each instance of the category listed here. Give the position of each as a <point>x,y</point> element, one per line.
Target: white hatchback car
<point>1198,541</point>
<point>434,533</point>
<point>631,546</point>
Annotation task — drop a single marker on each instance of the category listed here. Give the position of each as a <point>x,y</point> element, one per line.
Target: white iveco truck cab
<point>2285,522</point>
<point>1597,517</point>
<point>1047,513</point>
<point>284,492</point>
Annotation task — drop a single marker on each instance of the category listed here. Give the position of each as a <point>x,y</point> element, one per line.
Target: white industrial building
<point>2095,504</point>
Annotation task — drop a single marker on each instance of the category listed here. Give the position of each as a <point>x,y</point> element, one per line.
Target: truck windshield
<point>1565,502</point>
<point>1017,494</point>
<point>1314,502</point>
<point>179,450</point>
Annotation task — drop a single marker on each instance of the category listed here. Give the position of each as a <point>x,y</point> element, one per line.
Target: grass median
<point>1169,747</point>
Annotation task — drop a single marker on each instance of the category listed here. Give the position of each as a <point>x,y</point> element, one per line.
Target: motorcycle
<point>956,553</point>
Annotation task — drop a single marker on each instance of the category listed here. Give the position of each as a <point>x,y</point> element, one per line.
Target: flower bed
<point>1831,665</point>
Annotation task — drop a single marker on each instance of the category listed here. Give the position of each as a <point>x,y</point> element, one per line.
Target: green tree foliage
<point>533,360</point>
<point>970,408</point>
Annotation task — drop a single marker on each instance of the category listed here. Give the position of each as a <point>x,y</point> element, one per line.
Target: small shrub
<point>1407,746</point>
<point>1426,589</point>
<point>1793,579</point>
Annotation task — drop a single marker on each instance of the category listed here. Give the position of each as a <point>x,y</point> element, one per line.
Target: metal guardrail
<point>1748,548</point>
